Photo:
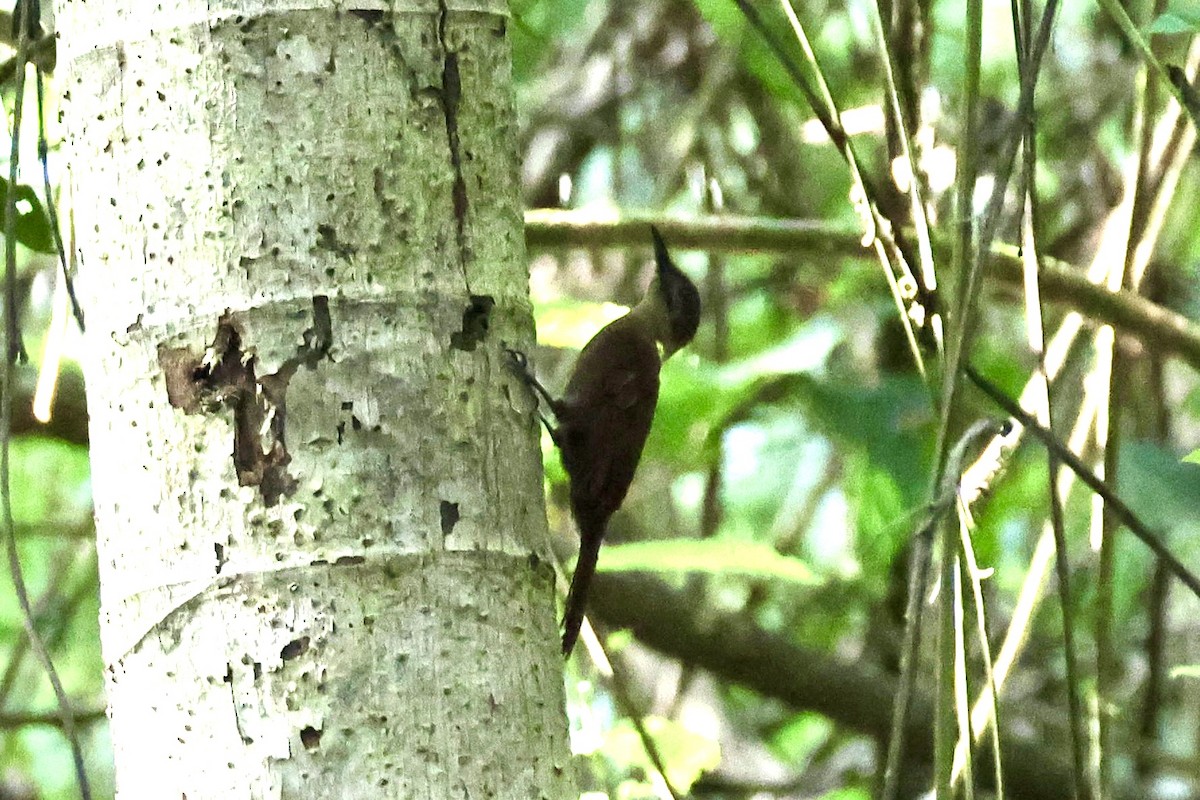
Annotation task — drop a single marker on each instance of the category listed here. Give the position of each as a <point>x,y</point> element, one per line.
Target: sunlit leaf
<point>686,753</point>
<point>803,351</point>
<point>572,324</point>
<point>798,740</point>
<point>50,482</point>
<point>847,794</point>
<point>692,398</point>
<point>712,556</point>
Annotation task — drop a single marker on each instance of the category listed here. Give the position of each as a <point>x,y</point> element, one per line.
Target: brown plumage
<point>604,415</point>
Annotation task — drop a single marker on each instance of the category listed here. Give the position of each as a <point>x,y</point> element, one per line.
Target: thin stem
<point>1035,315</point>
<point>916,205</point>
<point>877,230</point>
<point>1121,511</point>
<point>12,348</point>
<point>51,206</point>
<point>1181,89</point>
<point>971,736</point>
<point>1157,609</point>
<point>918,576</point>
<point>966,266</point>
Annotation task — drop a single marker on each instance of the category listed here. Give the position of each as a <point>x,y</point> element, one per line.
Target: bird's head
<point>676,299</point>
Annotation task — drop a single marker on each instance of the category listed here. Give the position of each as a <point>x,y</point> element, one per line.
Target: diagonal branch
<point>1156,326</point>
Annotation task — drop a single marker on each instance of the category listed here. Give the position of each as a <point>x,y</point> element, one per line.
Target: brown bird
<point>605,414</point>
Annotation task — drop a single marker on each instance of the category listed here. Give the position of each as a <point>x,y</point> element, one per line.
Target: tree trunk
<point>317,486</point>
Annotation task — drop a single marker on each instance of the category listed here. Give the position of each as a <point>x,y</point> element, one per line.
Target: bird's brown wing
<point>610,408</point>
<point>606,416</point>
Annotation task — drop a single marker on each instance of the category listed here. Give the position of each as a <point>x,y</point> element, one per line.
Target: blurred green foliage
<point>53,515</point>
<point>790,458</point>
<point>1181,16</point>
<point>795,431</point>
<point>688,754</point>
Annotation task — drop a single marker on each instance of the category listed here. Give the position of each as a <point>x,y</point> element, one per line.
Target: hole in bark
<point>310,737</point>
<point>474,323</point>
<point>369,17</point>
<point>450,517</point>
<point>294,648</point>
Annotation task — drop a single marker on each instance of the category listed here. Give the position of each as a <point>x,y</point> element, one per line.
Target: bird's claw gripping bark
<point>518,362</point>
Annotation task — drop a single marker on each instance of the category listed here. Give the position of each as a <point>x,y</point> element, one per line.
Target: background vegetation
<point>762,557</point>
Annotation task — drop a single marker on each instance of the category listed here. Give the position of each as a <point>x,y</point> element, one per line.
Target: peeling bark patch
<point>224,378</point>
<point>474,323</point>
<point>274,479</point>
<point>349,561</point>
<point>179,367</point>
<point>310,737</point>
<point>294,649</point>
<point>450,517</point>
<point>220,551</point>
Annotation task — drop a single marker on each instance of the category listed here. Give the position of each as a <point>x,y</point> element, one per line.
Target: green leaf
<point>33,224</point>
<point>537,26</point>
<point>1158,487</point>
<point>1181,16</point>
<point>804,350</point>
<point>692,397</point>
<point>714,556</point>
<point>50,481</point>
<point>728,23</point>
<point>798,740</point>
<point>1186,671</point>
<point>847,794</point>
<point>882,520</point>
<point>890,422</point>
<point>1168,23</point>
<point>1192,457</point>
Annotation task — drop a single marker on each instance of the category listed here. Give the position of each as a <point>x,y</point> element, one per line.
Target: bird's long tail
<point>585,568</point>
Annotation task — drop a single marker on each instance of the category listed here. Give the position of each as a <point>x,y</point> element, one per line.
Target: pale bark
<point>317,485</point>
